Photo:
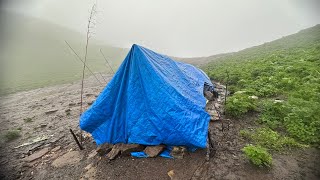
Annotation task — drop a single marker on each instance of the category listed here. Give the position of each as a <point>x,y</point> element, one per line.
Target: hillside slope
<point>279,80</point>
<point>35,54</point>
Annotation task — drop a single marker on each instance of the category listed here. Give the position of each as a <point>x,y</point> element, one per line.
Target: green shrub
<point>27,120</point>
<point>245,134</point>
<point>273,113</point>
<point>257,155</point>
<point>272,140</point>
<point>240,104</point>
<point>303,121</point>
<point>12,135</point>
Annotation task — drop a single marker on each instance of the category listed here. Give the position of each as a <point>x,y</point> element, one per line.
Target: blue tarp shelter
<point>151,100</point>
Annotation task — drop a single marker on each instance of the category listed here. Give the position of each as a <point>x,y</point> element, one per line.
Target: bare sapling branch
<point>89,33</point>
<point>106,60</point>
<point>86,64</point>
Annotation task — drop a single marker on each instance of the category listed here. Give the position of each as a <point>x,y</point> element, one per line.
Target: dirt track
<point>53,110</point>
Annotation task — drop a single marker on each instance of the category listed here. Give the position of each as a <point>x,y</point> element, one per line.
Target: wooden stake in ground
<point>90,26</point>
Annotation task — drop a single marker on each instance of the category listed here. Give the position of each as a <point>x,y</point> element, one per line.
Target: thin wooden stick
<point>106,61</point>
<point>225,95</point>
<point>76,139</point>
<point>86,64</point>
<point>103,77</point>
<point>89,27</point>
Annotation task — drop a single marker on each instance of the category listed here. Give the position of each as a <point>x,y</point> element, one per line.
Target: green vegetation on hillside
<point>285,76</point>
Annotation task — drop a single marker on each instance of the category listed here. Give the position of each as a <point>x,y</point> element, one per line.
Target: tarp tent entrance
<point>151,100</point>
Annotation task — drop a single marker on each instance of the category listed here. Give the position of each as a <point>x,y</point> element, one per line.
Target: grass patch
<point>272,140</point>
<point>12,135</point>
<point>257,155</point>
<point>240,104</point>
<point>27,120</point>
<point>68,112</point>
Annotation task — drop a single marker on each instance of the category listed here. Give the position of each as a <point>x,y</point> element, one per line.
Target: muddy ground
<point>46,114</point>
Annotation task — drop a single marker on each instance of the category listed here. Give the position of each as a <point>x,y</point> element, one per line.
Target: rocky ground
<point>45,148</point>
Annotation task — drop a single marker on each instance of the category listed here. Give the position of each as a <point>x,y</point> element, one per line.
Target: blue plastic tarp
<point>151,100</point>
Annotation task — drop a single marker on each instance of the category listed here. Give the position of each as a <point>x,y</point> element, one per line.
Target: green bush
<point>272,140</point>
<point>245,134</point>
<point>12,135</point>
<point>27,120</point>
<point>273,113</point>
<point>240,104</point>
<point>257,155</point>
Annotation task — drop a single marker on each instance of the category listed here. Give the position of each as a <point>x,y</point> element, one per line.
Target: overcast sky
<point>183,28</point>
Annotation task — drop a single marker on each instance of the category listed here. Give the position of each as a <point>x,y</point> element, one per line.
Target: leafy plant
<point>272,140</point>
<point>273,113</point>
<point>240,104</point>
<point>257,155</point>
<point>245,134</point>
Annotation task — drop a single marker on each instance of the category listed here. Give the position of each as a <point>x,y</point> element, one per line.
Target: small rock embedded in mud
<point>88,167</point>
<point>89,94</point>
<point>71,157</point>
<point>55,149</point>
<point>51,111</point>
<point>72,104</point>
<point>90,103</point>
<point>43,125</point>
<point>178,152</point>
<point>92,154</point>
<point>171,174</point>
<point>36,155</point>
<point>154,151</point>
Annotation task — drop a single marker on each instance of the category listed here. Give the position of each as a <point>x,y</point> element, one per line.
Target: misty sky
<point>183,28</point>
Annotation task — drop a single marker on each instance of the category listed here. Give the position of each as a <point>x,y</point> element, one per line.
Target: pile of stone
<point>113,151</point>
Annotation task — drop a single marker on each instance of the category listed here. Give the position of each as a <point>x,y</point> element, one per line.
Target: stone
<point>72,104</point>
<point>254,97</point>
<point>90,174</point>
<point>278,101</point>
<point>240,92</point>
<point>126,149</point>
<point>104,149</point>
<point>43,125</point>
<point>69,158</point>
<point>115,151</point>
<point>208,95</point>
<point>92,154</point>
<point>171,175</point>
<point>36,155</point>
<point>153,151</point>
<point>51,111</point>
<point>88,167</point>
<point>230,176</point>
<point>56,149</point>
<point>178,152</point>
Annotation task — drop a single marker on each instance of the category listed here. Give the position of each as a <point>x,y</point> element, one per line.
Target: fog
<point>184,28</point>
